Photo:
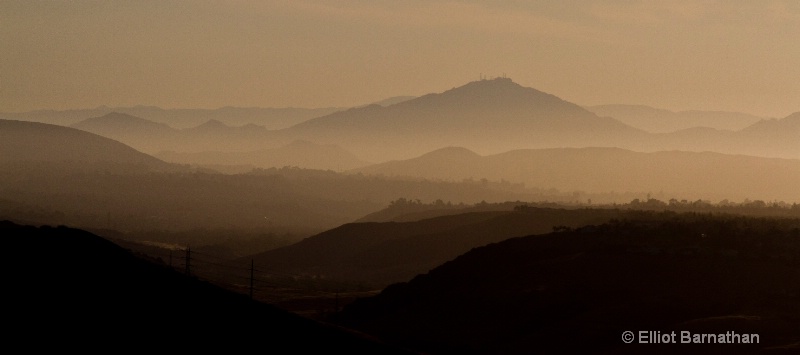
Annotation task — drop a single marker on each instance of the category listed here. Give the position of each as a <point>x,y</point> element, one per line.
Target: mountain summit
<point>500,93</point>
<point>486,115</point>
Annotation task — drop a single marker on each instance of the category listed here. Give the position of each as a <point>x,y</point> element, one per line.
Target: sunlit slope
<point>376,254</point>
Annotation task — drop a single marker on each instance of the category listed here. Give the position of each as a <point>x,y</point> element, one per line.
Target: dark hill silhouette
<point>69,148</point>
<point>377,254</point>
<point>577,291</point>
<point>699,175</point>
<point>80,291</point>
<point>487,115</point>
<point>663,121</point>
<point>301,154</point>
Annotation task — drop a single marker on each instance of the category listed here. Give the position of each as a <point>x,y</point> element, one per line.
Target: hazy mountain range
<point>657,120</point>
<point>268,117</point>
<point>486,116</point>
<point>271,118</point>
<point>152,137</point>
<point>495,116</point>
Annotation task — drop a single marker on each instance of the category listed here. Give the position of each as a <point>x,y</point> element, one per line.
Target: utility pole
<point>188,258</point>
<point>252,269</point>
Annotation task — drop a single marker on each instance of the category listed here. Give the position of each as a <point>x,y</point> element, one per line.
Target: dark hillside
<point>576,291</point>
<point>69,287</point>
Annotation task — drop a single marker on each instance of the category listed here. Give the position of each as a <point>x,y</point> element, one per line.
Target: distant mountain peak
<point>499,93</point>
<point>213,124</point>
<point>490,84</point>
<point>497,80</point>
<point>114,115</point>
<point>452,152</point>
<point>117,119</point>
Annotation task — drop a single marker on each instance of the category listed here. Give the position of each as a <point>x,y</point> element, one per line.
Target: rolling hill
<point>59,147</point>
<point>374,255</point>
<point>679,174</point>
<point>577,291</point>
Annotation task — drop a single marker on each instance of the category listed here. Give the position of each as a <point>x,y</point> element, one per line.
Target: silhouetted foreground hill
<point>577,291</point>
<point>68,288</point>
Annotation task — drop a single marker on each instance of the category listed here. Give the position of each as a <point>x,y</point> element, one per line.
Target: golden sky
<point>736,55</point>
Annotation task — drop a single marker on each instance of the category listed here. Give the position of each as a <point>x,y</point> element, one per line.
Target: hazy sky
<point>735,55</point>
